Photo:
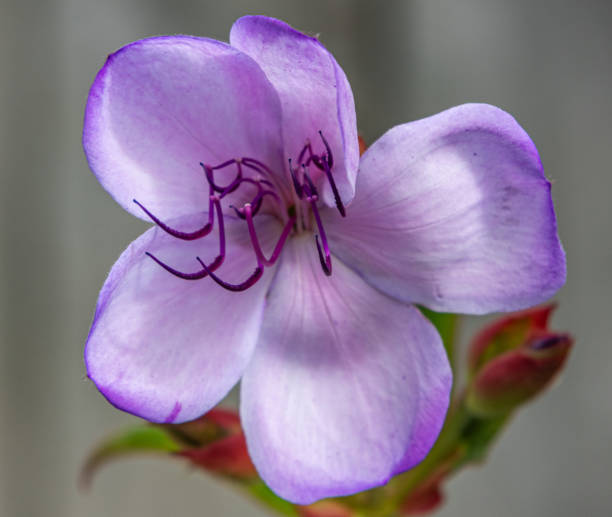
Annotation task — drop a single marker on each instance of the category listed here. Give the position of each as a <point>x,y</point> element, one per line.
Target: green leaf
<point>137,440</point>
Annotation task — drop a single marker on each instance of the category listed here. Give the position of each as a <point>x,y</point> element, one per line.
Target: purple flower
<point>246,158</point>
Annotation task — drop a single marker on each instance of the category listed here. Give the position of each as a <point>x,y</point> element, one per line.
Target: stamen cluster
<point>263,180</point>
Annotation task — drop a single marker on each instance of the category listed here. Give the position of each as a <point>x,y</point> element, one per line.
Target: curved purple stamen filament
<point>233,185</point>
<point>296,184</point>
<point>266,182</point>
<point>326,263</point>
<point>308,148</point>
<point>309,187</point>
<point>185,276</point>
<point>258,166</point>
<point>325,163</point>
<point>198,275</point>
<point>249,282</point>
<point>330,178</point>
<point>240,182</point>
<point>329,158</point>
<point>258,201</point>
<point>186,236</point>
<point>215,264</point>
<point>261,258</point>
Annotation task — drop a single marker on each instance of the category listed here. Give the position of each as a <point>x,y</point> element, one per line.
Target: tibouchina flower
<point>274,261</point>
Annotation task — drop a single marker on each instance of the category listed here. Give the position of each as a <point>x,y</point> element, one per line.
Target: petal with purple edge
<point>169,349</point>
<point>314,92</point>
<point>160,106</point>
<point>454,212</point>
<point>346,386</point>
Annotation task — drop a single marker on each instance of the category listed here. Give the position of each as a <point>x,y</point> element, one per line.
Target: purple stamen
<point>339,204</point>
<point>324,162</point>
<point>261,258</point>
<point>305,189</point>
<point>258,200</point>
<point>266,182</point>
<point>296,184</point>
<point>239,212</point>
<point>325,262</point>
<point>185,276</point>
<point>235,183</point>
<point>309,187</point>
<point>215,263</point>
<point>186,236</point>
<point>258,166</point>
<point>222,165</point>
<point>329,157</point>
<point>308,148</point>
<point>249,282</point>
<point>232,188</point>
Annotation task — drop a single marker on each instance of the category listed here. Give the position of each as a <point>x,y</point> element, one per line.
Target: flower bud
<point>423,501</point>
<point>227,456</point>
<point>215,442</point>
<point>215,424</point>
<point>507,333</point>
<point>518,374</point>
<point>325,509</point>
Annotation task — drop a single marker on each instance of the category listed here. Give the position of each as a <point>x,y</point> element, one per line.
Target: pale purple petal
<point>454,212</point>
<point>346,386</point>
<point>169,349</point>
<point>314,92</point>
<point>161,106</point>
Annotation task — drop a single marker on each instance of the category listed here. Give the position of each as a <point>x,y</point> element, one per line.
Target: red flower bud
<point>423,501</point>
<point>519,374</point>
<point>507,333</point>
<point>227,456</point>
<point>325,509</point>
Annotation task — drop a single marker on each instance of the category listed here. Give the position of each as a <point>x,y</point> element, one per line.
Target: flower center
<point>299,212</point>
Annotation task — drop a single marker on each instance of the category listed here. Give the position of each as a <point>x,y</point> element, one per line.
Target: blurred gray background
<point>547,62</point>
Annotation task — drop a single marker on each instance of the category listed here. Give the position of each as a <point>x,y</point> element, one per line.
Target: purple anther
<point>308,148</point>
<point>330,178</point>
<point>261,258</point>
<point>186,236</point>
<point>233,185</point>
<point>309,187</point>
<point>185,276</point>
<point>296,184</point>
<point>239,212</point>
<point>325,261</point>
<point>316,160</point>
<point>329,157</point>
<point>249,282</point>
<point>326,264</point>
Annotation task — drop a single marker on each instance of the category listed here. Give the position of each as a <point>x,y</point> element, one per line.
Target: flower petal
<point>314,92</point>
<point>168,349</point>
<point>160,106</point>
<point>346,387</point>
<point>454,212</point>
